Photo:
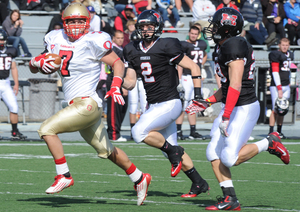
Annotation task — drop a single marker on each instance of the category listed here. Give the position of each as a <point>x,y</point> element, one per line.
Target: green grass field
<point>27,169</point>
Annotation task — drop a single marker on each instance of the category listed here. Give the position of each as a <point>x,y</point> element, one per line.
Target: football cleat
<point>142,188</point>
<point>282,136</point>
<point>61,182</point>
<point>197,189</point>
<point>196,136</point>
<point>180,136</point>
<point>17,135</point>
<point>277,148</point>
<point>228,204</point>
<point>175,159</point>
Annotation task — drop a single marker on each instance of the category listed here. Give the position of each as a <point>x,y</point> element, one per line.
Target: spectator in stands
<point>273,15</point>
<point>202,11</point>
<point>141,5</point>
<point>13,26</point>
<point>130,28</point>
<point>84,2</point>
<point>167,8</point>
<point>97,5</point>
<point>121,4</point>
<point>292,21</point>
<point>123,17</point>
<point>252,13</point>
<point>227,3</point>
<point>3,10</point>
<point>189,3</point>
<point>115,111</point>
<point>95,21</point>
<point>55,20</point>
<point>38,5</point>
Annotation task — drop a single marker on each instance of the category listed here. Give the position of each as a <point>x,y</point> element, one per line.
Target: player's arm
<point>14,73</point>
<point>112,59</point>
<point>187,63</point>
<point>130,79</point>
<point>276,77</point>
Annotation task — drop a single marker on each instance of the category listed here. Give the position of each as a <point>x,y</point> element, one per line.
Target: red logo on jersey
<point>52,46</point>
<point>107,45</point>
<point>228,19</point>
<point>157,16</point>
<point>89,107</point>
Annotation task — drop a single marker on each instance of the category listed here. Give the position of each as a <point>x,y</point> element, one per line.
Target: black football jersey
<point>6,57</point>
<point>156,66</point>
<point>232,49</point>
<point>284,60</point>
<point>194,51</point>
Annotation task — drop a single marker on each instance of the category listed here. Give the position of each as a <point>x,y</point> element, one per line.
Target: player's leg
<point>96,135</point>
<point>199,185</point>
<point>286,94</point>
<point>156,118</point>
<point>272,119</point>
<point>133,105</point>
<point>10,100</point>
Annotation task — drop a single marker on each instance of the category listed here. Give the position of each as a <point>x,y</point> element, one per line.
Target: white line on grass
<point>134,200</point>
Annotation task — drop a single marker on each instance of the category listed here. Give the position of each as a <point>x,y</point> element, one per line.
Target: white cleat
<point>142,188</point>
<point>61,182</point>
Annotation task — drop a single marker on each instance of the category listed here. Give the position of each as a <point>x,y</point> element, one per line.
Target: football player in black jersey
<point>234,61</point>
<point>7,64</point>
<point>154,59</point>
<point>280,62</point>
<point>194,49</point>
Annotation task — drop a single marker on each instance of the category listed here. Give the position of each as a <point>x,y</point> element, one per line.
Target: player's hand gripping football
<point>223,126</point>
<point>115,92</point>
<point>43,63</point>
<point>197,106</point>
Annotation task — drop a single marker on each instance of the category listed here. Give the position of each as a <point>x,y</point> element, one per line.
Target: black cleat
<point>175,159</point>
<point>180,136</point>
<point>227,204</point>
<point>282,136</point>
<point>197,189</point>
<point>17,135</point>
<point>196,136</point>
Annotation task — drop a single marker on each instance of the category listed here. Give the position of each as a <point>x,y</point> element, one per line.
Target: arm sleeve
<point>173,47</point>
<point>118,24</point>
<point>259,13</point>
<point>275,73</point>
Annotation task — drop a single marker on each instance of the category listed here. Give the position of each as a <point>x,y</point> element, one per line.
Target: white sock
<point>61,168</point>
<point>135,176</point>
<point>262,145</point>
<point>226,184</point>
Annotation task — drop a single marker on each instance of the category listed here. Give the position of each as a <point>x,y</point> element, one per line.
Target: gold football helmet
<point>76,11</point>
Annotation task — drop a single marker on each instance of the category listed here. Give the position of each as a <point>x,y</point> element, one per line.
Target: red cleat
<point>197,189</point>
<point>175,159</point>
<point>227,204</point>
<point>277,148</point>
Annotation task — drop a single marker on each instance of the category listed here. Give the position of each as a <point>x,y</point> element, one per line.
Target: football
<point>56,63</point>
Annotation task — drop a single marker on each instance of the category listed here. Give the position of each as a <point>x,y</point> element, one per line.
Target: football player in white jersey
<point>82,52</point>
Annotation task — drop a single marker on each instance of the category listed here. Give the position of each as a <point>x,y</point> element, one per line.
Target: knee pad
<point>133,107</point>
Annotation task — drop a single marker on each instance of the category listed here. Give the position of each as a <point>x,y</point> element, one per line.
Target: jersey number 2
<point>66,56</point>
<point>147,71</point>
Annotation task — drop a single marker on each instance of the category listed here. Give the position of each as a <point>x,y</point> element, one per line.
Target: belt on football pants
<point>84,97</point>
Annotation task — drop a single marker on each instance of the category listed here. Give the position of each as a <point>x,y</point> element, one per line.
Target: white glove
<point>42,63</point>
<point>223,126</point>
<point>181,91</point>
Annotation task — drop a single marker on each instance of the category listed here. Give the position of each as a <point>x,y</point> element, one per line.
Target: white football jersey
<point>80,67</point>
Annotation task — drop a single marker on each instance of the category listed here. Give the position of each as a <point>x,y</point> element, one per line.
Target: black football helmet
<point>149,17</point>
<point>281,106</point>
<point>3,37</point>
<point>226,22</point>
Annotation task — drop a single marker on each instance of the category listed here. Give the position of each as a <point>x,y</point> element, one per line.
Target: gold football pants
<point>82,115</point>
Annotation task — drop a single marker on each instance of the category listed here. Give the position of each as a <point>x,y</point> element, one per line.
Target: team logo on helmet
<point>228,19</point>
<point>157,16</point>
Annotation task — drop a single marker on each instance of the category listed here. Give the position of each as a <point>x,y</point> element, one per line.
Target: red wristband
<point>231,100</point>
<point>279,87</point>
<point>211,99</point>
<point>117,82</point>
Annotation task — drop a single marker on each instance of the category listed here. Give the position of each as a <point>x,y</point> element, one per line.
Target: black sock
<point>228,191</point>
<point>193,175</point>
<point>271,129</point>
<point>193,128</point>
<point>167,147</point>
<point>67,174</point>
<point>14,127</point>
<point>131,125</point>
<point>178,127</point>
<point>139,180</point>
<point>279,128</point>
